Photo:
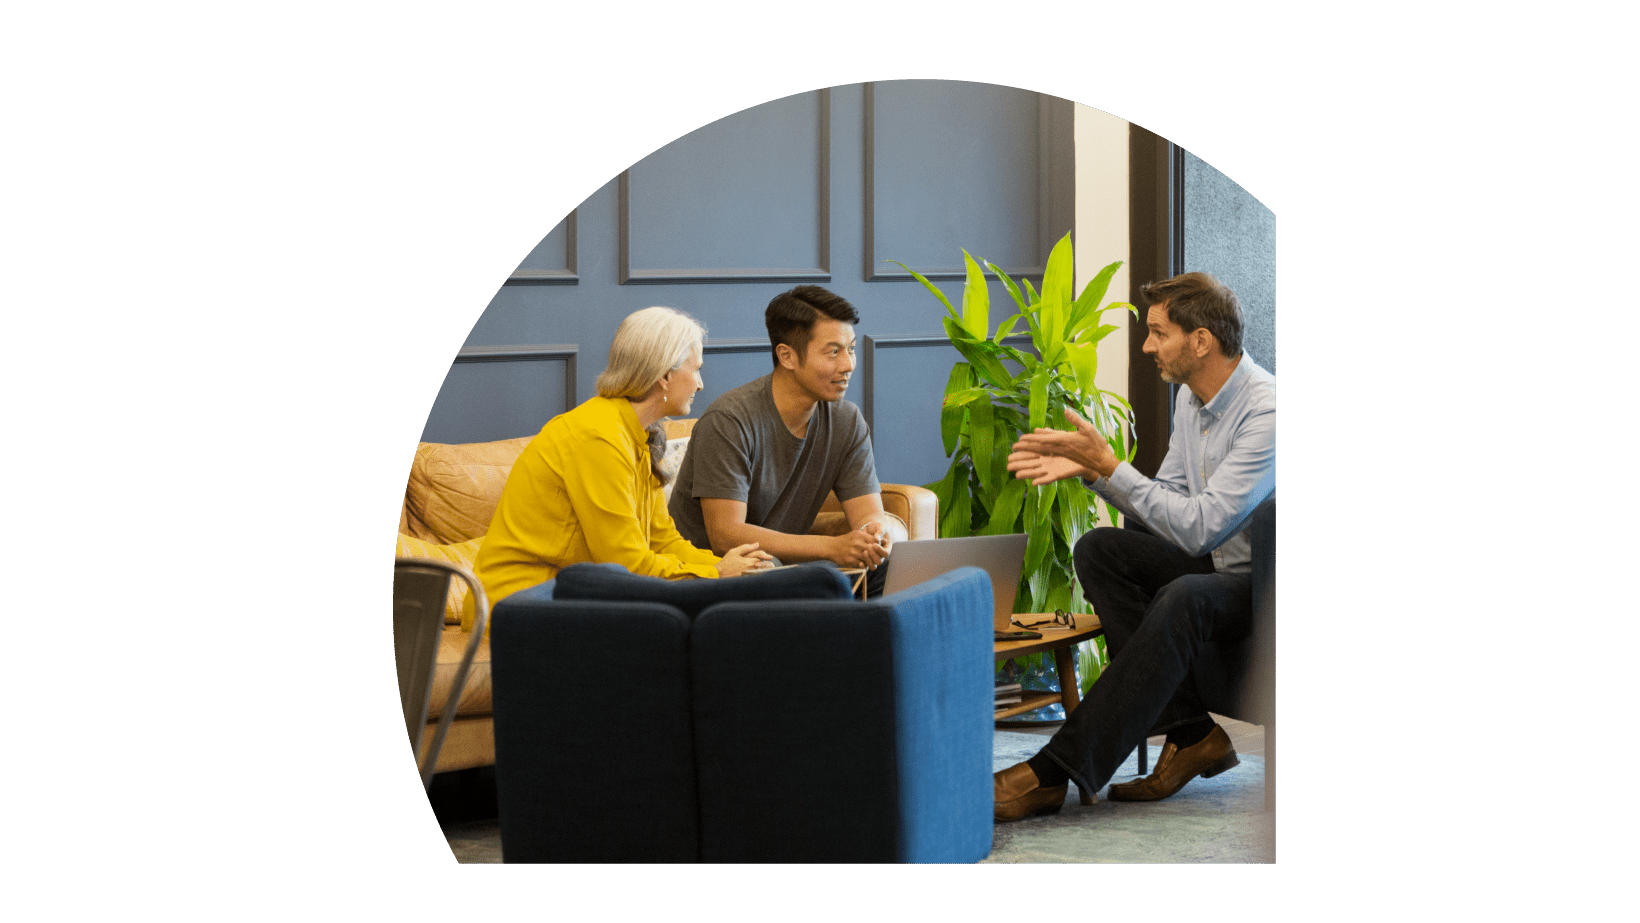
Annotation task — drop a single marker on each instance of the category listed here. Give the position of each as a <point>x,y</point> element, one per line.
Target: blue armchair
<point>1238,678</point>
<point>785,723</point>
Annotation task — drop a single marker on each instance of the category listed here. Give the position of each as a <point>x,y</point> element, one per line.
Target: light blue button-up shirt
<point>1220,464</point>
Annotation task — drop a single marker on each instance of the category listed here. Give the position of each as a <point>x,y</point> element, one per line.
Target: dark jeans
<point>1159,606</point>
<point>876,580</point>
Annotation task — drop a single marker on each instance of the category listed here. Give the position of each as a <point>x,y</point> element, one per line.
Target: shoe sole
<point>1043,811</point>
<point>1228,761</point>
<point>1051,807</point>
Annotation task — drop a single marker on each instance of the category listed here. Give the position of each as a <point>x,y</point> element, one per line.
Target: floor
<point>464,803</point>
<point>1222,820</point>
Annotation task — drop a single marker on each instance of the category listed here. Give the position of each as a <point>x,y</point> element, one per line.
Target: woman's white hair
<point>648,344</point>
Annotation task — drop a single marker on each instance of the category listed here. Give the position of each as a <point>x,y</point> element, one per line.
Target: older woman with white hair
<point>588,487</point>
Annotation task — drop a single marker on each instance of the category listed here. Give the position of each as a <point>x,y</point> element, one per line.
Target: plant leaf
<point>976,301</point>
<point>1059,515</point>
<point>1026,361</point>
<point>1011,419</point>
<point>1088,665</point>
<point>981,436</point>
<point>1002,442</point>
<point>1059,591</point>
<point>942,488</point>
<point>1039,398</point>
<point>979,354</point>
<point>1052,343</point>
<point>1036,329</point>
<point>1057,281</point>
<point>1037,546</point>
<point>1087,304</point>
<point>1103,331</point>
<point>1084,362</point>
<point>1112,395</point>
<point>1039,593</point>
<point>966,396</point>
<point>1009,283</point>
<point>1005,514</point>
<point>962,378</point>
<point>1075,500</point>
<point>958,520</point>
<point>1006,330</point>
<point>930,286</point>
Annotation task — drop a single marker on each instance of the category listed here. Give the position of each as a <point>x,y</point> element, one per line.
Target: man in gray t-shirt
<point>763,457</point>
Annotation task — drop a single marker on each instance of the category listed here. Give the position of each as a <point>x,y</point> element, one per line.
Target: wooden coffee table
<point>1062,642</point>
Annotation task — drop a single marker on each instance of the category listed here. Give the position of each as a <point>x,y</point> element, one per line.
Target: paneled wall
<point>820,187</point>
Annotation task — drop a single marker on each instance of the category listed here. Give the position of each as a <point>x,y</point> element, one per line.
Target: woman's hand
<point>743,559</point>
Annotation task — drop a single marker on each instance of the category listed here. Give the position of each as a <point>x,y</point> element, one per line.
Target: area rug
<point>1217,820</point>
<point>1221,819</point>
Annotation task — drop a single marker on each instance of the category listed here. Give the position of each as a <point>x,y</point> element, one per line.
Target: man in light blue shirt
<point>1178,580</point>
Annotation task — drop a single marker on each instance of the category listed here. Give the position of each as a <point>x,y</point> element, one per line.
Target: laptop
<point>1001,556</point>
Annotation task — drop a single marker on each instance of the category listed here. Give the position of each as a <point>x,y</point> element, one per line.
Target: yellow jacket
<point>582,491</point>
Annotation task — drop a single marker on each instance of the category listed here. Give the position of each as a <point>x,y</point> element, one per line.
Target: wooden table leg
<point>1064,664</point>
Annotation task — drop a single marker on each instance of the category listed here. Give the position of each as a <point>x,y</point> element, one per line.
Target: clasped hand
<point>867,546</point>
<point>1048,455</point>
<point>744,558</point>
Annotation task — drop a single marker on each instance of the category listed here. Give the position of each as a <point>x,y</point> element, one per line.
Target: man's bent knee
<point>1196,595</point>
<point>1102,542</point>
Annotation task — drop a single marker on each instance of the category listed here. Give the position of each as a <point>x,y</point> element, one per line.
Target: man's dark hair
<point>1195,300</point>
<point>791,317</point>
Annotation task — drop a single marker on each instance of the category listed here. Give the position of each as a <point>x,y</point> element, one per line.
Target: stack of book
<point>1008,694</point>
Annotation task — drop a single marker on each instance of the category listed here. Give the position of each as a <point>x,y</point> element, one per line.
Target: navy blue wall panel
<point>553,259</point>
<point>481,401</point>
<point>970,166</point>
<point>745,197</point>
<point>781,189</point>
<point>901,400</point>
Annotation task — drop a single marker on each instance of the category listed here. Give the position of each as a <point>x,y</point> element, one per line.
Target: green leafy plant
<point>1000,391</point>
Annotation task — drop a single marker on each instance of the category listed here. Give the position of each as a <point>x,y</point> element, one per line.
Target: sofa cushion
<point>461,554</point>
<point>453,489</point>
<point>475,695</point>
<point>614,583</point>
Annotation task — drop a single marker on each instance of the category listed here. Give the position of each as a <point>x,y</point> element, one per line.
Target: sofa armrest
<point>916,507</point>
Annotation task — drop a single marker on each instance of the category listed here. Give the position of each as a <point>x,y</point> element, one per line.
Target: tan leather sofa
<point>451,495</point>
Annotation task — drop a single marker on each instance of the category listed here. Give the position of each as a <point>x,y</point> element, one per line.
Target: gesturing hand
<point>1043,469</point>
<point>743,558</point>
<point>1050,454</point>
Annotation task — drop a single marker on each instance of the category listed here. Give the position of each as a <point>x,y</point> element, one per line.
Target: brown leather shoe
<point>1206,758</point>
<point>1019,794</point>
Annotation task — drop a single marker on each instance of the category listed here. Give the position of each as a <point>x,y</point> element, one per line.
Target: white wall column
<point>1102,228</point>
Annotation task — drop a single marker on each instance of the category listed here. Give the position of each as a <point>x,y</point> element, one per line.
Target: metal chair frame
<point>417,584</point>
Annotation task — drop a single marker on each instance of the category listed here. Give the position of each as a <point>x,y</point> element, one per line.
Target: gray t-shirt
<point>741,450</point>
